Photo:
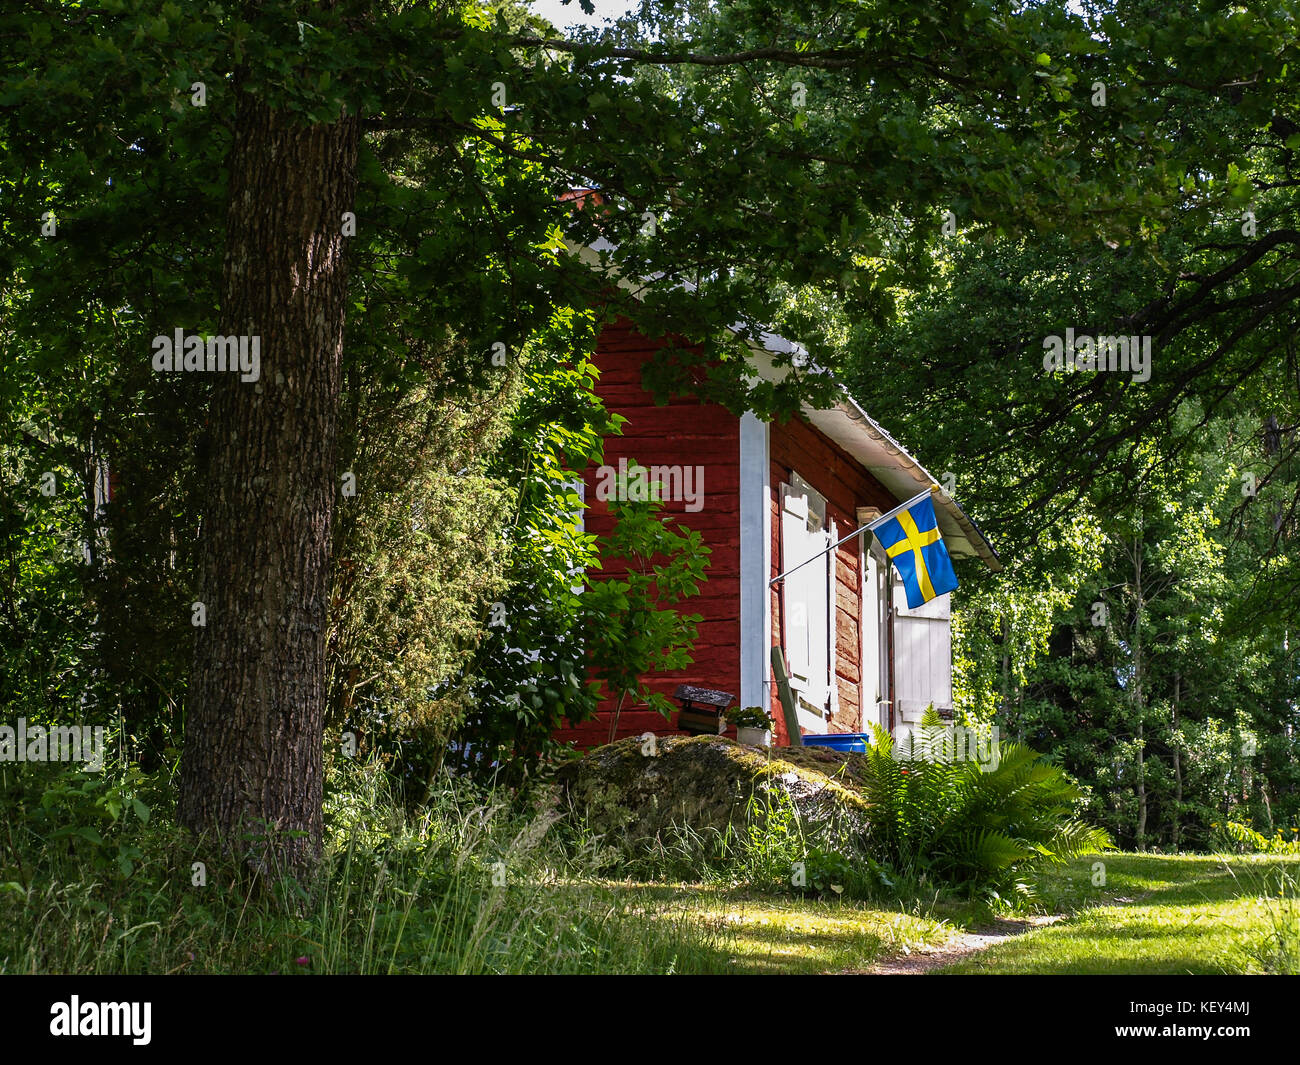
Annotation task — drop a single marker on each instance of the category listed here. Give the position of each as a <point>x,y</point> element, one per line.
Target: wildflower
<point>304,960</point>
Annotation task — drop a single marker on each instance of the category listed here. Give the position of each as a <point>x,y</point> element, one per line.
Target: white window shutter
<point>805,600</point>
<point>794,523</point>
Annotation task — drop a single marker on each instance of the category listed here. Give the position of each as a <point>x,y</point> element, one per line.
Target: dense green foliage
<point>1145,635</point>
<point>919,195</point>
<point>1143,631</point>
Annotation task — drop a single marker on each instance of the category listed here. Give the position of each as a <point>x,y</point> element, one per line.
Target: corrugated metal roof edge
<point>955,510</point>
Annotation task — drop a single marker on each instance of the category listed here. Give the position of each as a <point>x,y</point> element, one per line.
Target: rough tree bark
<point>252,764</point>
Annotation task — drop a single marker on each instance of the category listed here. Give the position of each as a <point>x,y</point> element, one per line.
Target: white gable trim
<point>755,563</point>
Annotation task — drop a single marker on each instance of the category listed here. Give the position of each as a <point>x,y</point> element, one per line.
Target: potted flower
<point>753,726</point>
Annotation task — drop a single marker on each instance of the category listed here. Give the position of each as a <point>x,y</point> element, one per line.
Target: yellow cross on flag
<point>910,537</point>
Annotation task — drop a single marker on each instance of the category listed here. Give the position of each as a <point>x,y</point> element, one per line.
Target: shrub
<point>956,824</point>
<point>418,564</point>
<point>1234,836</point>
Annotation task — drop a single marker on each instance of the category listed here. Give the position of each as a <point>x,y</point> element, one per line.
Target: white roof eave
<point>854,430</point>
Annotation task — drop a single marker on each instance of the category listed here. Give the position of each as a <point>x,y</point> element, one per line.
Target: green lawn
<point>1154,915</point>
<point>757,933</point>
<point>1158,915</point>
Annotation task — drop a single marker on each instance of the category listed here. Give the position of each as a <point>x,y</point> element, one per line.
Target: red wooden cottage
<point>774,496</point>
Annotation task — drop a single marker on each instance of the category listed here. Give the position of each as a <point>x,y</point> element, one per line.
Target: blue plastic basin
<point>840,741</point>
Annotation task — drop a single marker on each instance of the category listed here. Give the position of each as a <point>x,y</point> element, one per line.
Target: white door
<point>922,655</point>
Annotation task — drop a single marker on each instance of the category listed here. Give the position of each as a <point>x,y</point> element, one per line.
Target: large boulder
<point>639,791</point>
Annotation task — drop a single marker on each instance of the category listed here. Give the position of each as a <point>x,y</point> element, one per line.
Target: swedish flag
<point>910,537</point>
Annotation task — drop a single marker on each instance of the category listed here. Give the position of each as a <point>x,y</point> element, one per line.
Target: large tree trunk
<point>253,744</point>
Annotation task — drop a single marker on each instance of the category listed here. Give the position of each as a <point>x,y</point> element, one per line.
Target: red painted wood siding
<point>797,447</point>
<point>685,432</point>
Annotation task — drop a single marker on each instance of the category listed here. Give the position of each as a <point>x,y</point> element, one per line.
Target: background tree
<point>419,561</point>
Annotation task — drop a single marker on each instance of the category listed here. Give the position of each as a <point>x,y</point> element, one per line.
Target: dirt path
<point>960,947</point>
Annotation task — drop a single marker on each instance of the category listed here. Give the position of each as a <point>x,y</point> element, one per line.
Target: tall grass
<point>1272,946</point>
<point>468,884</point>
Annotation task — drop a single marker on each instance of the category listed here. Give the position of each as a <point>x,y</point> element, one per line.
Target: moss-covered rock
<point>706,783</point>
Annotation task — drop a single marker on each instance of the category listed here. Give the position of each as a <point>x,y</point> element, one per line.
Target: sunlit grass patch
<point>816,937</point>
<point>772,934</point>
<point>1183,914</point>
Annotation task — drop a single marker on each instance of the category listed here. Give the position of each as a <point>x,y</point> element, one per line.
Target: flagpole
<point>871,525</point>
<point>855,532</point>
<point>933,489</point>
